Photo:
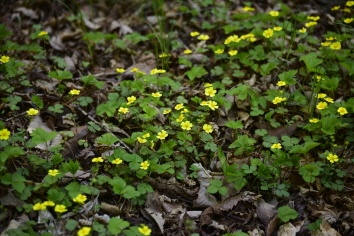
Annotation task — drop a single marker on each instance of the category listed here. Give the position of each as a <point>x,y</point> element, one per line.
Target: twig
<point>104,127</point>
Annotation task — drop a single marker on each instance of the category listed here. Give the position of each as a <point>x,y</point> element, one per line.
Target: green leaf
<point>315,226</point>
<point>92,80</point>
<point>84,101</point>
<point>196,72</point>
<point>55,195</point>
<point>261,132</point>
<point>39,135</point>
<point>59,74</point>
<point>144,188</point>
<point>329,125</point>
<point>241,91</point>
<point>109,108</point>
<point>349,65</point>
<point>116,225</point>
<point>184,61</point>
<point>118,185</point>
<point>59,61</point>
<point>38,101</point>
<point>58,108</point>
<point>107,139</point>
<point>304,148</point>
<point>71,166</point>
<point>71,224</point>
<point>330,84</point>
<point>309,172</point>
<point>3,32</point>
<point>285,213</point>
<point>311,61</point>
<point>266,68</point>
<point>235,124</point>
<point>212,189</point>
<point>129,192</point>
<point>288,76</point>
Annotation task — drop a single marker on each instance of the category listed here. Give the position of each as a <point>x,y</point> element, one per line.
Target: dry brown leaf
<point>287,230</point>
<point>266,211</point>
<point>326,230</point>
<point>110,208</point>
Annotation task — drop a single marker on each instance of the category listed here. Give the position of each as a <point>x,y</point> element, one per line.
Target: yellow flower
<point>246,8</point>
<point>233,52</point>
<point>49,203</point>
<point>219,51</point>
<point>283,99</point>
<point>277,100</point>
<point>232,38</point>
<point>213,105</point>
<point>143,229</point>
<point>348,20</point>
<point>97,159</point>
<point>314,18</point>
<point>120,70</point>
<point>204,103</point>
<point>179,106</point>
<point>162,135</point>
<point>187,51</point>
<point>4,134</point>
<point>210,91</point>
<point>332,158</point>
<point>84,231</point>
<point>276,145</point>
<point>208,128</point>
<point>274,13</point>
<point>321,95</point>
<point>39,206</point>
<point>185,110</point>
<point>329,100</point>
<point>319,78</point>
<point>326,44</point>
<point>80,199</point>
<point>53,172</point>
<point>32,112</point>
<point>117,161</point>
<point>311,23</point>
<point>342,111</point>
<point>141,140</point>
<point>281,83</point>
<point>349,3</point>
<point>4,59</point>
<point>303,30</point>
<point>277,28</point>
<point>60,208</point>
<point>252,39</point>
<point>144,165</point>
<point>140,72</point>
<point>331,38</point>
<point>156,95</point>
<point>74,92</point>
<point>195,33</point>
<point>134,69</point>
<point>180,118</point>
<point>314,120</point>
<point>335,46</point>
<point>207,85</point>
<point>157,71</point>
<point>164,55</point>
<point>166,111</point>
<point>321,105</point>
<point>123,110</point>
<point>335,8</point>
<point>131,99</point>
<point>42,33</point>
<point>187,125</point>
<point>268,33</point>
<point>203,37</point>
<point>346,10</point>
<point>146,135</point>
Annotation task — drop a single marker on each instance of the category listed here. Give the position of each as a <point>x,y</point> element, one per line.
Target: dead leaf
<point>266,211</point>
<point>287,230</point>
<point>326,230</point>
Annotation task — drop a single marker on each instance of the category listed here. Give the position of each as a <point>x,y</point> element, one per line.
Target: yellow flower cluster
<point>187,51</point>
<point>120,70</point>
<point>207,128</point>
<point>123,110</point>
<point>195,33</point>
<point>53,172</point>
<point>211,104</point>
<point>321,105</point>
<point>187,125</point>
<point>348,20</point>
<point>314,120</point>
<point>42,33</point>
<point>303,30</point>
<point>274,13</point>
<point>219,51</point>
<point>164,55</point>
<point>342,111</point>
<point>131,99</point>
<point>156,95</point>
<point>314,18</point>
<point>276,146</point>
<point>162,135</point>
<point>281,83</point>
<point>277,28</point>
<point>210,91</point>
<point>233,52</point>
<point>142,139</point>
<point>232,38</point>
<point>203,37</point>
<point>84,231</point>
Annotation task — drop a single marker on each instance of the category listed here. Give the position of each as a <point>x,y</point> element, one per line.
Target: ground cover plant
<point>176,118</point>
